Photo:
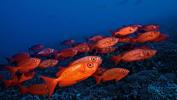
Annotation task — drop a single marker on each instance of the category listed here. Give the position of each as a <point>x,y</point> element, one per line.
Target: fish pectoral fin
<point>82,69</point>
<point>79,68</point>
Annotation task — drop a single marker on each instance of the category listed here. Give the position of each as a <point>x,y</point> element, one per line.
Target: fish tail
<point>116,59</point>
<point>23,90</point>
<point>51,84</point>
<point>98,79</point>
<point>13,70</point>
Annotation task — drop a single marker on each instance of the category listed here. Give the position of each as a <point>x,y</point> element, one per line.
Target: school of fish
<point>22,66</point>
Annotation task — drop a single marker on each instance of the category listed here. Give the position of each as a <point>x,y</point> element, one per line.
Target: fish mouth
<point>99,60</point>
<point>126,71</point>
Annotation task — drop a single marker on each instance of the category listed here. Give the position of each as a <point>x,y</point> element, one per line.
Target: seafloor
<point>152,79</point>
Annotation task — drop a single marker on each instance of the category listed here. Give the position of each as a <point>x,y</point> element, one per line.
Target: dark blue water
<point>26,22</point>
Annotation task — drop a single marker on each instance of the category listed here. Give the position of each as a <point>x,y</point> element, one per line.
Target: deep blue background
<point>26,22</point>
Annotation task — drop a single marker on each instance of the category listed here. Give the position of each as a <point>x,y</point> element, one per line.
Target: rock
<point>162,78</point>
<point>171,76</point>
<point>143,76</point>
<point>163,90</point>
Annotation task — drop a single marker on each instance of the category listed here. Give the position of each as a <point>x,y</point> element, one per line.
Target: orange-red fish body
<point>36,89</point>
<point>127,30</point>
<point>26,66</point>
<point>106,42</point>
<point>78,72</point>
<point>112,74</point>
<point>146,37</point>
<point>46,52</point>
<point>106,50</point>
<point>66,53</point>
<point>96,38</point>
<point>151,27</point>
<point>94,59</point>
<point>66,83</point>
<point>134,55</point>
<point>82,48</point>
<point>48,63</point>
<point>18,57</point>
<point>71,75</point>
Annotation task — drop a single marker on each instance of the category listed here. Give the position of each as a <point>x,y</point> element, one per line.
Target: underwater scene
<point>88,50</point>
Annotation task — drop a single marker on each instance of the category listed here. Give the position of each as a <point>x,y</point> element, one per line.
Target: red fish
<point>66,53</point>
<point>146,37</point>
<point>69,42</point>
<point>71,75</point>
<point>106,50</point>
<point>26,66</point>
<point>82,48</point>
<point>48,63</point>
<point>150,27</point>
<point>106,42</point>
<point>112,74</point>
<point>96,38</point>
<point>46,52</point>
<point>94,59</point>
<point>134,55</point>
<point>18,57</point>
<point>16,80</point>
<point>127,30</point>
<point>36,89</point>
<point>37,47</point>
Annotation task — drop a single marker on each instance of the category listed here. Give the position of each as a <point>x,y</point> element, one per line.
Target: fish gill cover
<point>75,49</point>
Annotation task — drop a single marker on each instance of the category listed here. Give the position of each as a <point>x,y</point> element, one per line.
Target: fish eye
<point>89,65</point>
<point>123,71</point>
<point>93,59</point>
<point>34,60</point>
